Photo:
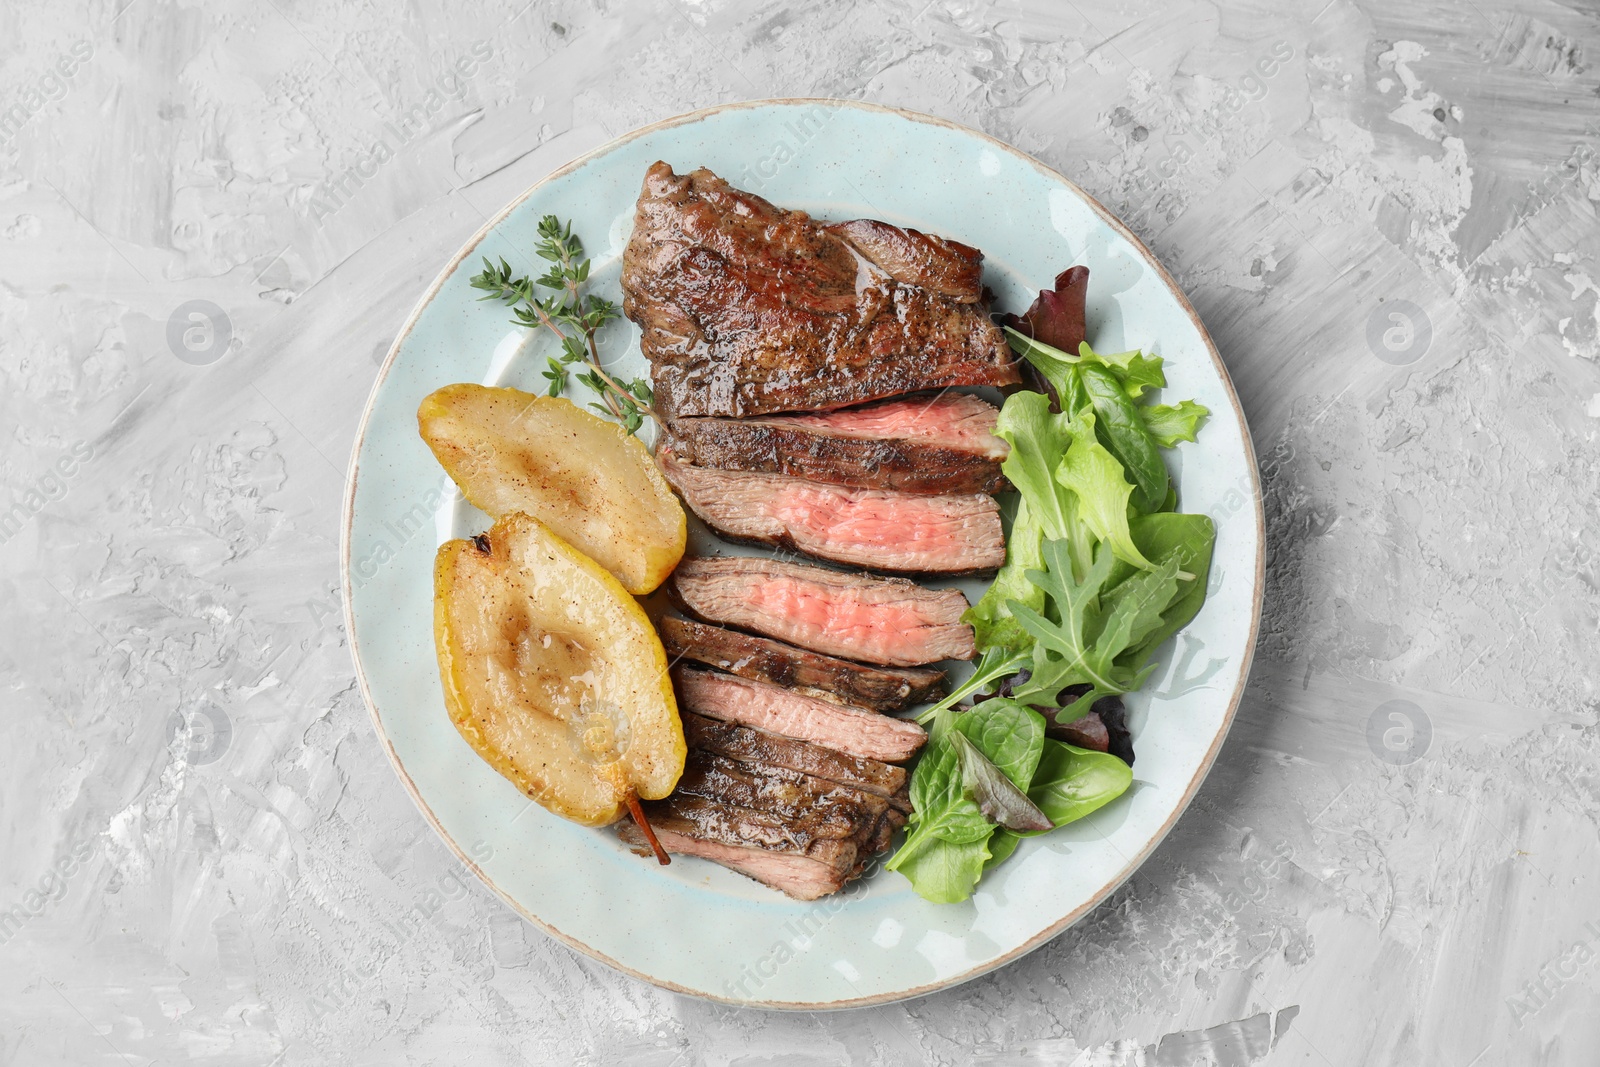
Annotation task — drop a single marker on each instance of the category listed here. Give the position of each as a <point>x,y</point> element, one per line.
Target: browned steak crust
<point>747,308</point>
<point>775,448</point>
<point>812,673</point>
<point>759,746</point>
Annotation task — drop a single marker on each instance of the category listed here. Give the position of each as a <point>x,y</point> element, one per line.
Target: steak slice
<point>750,745</point>
<point>823,808</point>
<point>942,444</point>
<point>765,660</point>
<point>758,844</point>
<point>746,308</point>
<point>948,268</point>
<point>853,731</point>
<point>878,620</point>
<point>877,528</point>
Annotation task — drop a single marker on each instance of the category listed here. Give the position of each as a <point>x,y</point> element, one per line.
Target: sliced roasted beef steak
<point>853,731</point>
<point>948,268</point>
<point>746,308</point>
<point>941,444</point>
<point>824,808</point>
<point>879,528</point>
<point>751,745</point>
<point>876,620</point>
<point>811,673</point>
<point>796,875</point>
<point>760,844</point>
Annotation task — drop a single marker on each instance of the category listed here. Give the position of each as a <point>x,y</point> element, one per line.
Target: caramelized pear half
<point>583,476</point>
<point>553,673</point>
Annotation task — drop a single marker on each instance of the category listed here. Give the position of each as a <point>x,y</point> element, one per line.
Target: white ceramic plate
<point>694,927</point>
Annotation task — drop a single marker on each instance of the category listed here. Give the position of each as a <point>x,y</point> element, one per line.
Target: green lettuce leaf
<point>1170,424</point>
<point>989,618</point>
<point>1037,438</point>
<point>1095,478</point>
<point>1135,370</point>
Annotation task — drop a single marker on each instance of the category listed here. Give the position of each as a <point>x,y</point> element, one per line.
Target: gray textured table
<point>1385,212</point>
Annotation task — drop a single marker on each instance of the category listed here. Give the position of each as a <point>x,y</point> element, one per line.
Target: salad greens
<point>1100,570</point>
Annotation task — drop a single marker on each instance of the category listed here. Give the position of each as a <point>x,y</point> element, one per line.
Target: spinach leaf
<point>1125,435</point>
<point>1095,477</point>
<point>948,828</point>
<point>1010,734</point>
<point>940,806</point>
<point>1189,540</point>
<point>1001,846</point>
<point>1071,782</point>
<point>1169,424</point>
<point>1164,533</point>
<point>1057,367</point>
<point>944,872</point>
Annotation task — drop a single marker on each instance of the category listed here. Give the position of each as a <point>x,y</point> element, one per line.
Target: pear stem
<point>643,823</point>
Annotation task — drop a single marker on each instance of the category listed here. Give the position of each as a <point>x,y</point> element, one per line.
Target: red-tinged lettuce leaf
<point>1056,316</point>
<point>996,795</point>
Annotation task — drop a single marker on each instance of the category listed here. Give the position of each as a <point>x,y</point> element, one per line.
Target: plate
<point>693,927</point>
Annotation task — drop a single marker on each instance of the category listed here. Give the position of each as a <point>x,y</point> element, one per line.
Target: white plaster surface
<point>205,857</point>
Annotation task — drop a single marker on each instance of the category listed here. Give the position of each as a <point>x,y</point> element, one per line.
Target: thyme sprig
<point>566,309</point>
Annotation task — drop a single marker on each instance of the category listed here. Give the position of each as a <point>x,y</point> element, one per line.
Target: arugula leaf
<point>1168,424</point>
<point>1132,609</point>
<point>1074,601</point>
<point>1124,433</point>
<point>1093,629</point>
<point>1095,477</point>
<point>1073,782</point>
<point>944,872</point>
<point>993,665</point>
